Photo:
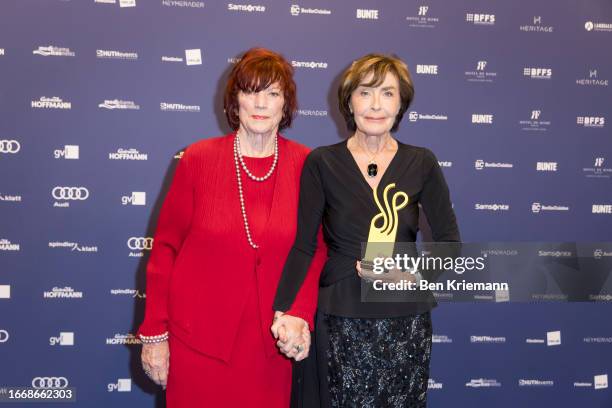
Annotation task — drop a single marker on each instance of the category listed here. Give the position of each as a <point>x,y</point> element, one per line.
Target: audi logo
<point>4,336</point>
<point>140,243</point>
<point>70,193</point>
<point>9,146</point>
<point>49,382</point>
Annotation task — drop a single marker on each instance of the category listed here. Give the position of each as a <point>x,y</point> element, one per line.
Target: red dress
<point>212,291</point>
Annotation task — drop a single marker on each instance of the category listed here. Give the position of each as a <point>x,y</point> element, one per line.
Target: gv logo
<point>9,146</point>
<point>49,382</point>
<point>4,336</point>
<point>140,243</point>
<point>70,193</point>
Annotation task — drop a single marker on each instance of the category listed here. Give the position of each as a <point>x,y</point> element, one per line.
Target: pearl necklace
<point>238,159</point>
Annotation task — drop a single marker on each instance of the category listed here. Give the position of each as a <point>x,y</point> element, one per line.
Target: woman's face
<point>261,112</point>
<point>375,108</point>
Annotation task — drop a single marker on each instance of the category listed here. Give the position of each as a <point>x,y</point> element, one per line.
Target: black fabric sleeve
<point>310,211</point>
<point>436,203</point>
<point>437,206</point>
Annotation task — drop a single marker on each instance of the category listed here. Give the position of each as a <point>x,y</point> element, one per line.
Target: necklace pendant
<point>372,170</point>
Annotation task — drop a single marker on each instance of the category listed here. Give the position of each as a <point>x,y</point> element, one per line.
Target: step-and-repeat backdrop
<point>99,97</point>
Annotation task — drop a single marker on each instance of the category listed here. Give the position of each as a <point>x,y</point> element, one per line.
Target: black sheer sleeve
<point>310,211</point>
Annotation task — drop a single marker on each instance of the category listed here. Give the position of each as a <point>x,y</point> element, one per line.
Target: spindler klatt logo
<point>414,116</point>
<point>537,72</point>
<point>538,207</point>
<point>10,198</point>
<point>113,104</point>
<point>537,26</point>
<point>134,293</point>
<point>127,154</point>
<point>63,195</point>
<point>53,51</point>
<point>483,383</point>
<point>6,245</point>
<point>481,164</point>
<point>62,293</point>
<point>178,107</point>
<point>309,64</point>
<point>54,102</point>
<point>481,73</point>
<point>113,54</point>
<point>598,170</point>
<point>423,19</point>
<point>119,339</point>
<point>591,121</point>
<point>480,19</point>
<point>592,80</point>
<point>1,52</point>
<point>139,244</point>
<point>183,3</point>
<point>296,10</point>
<point>73,246</point>
<point>246,8</point>
<point>535,122</point>
<point>433,385</point>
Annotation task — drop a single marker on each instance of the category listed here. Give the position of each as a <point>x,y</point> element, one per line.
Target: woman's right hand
<point>156,362</point>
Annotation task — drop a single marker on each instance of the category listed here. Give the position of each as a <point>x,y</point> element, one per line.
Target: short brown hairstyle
<point>258,69</point>
<point>378,65</point>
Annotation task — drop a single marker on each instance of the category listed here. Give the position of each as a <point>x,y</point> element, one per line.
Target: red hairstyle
<point>258,69</point>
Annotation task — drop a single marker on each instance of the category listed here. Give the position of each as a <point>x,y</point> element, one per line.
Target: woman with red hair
<point>223,234</point>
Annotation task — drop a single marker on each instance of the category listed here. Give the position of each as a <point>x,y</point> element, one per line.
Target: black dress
<point>364,354</point>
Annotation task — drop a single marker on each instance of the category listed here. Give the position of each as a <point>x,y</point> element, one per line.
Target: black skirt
<point>365,363</point>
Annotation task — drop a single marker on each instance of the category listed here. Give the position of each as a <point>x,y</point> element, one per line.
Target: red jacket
<point>202,265</point>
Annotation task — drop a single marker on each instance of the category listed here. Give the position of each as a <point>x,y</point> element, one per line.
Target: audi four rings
<point>140,243</point>
<point>70,193</point>
<point>9,146</point>
<point>49,382</point>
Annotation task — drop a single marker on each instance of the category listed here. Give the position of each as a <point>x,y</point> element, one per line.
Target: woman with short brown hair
<point>366,189</point>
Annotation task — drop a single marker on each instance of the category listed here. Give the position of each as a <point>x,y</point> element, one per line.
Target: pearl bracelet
<point>153,339</point>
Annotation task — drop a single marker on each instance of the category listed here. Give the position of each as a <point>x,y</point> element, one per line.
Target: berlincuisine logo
<point>53,51</point>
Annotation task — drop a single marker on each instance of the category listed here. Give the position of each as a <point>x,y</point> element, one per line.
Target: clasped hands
<point>292,334</point>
